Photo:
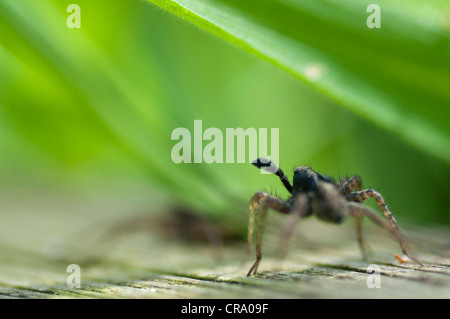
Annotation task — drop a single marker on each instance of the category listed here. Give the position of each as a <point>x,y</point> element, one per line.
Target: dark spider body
<point>313,193</point>
<point>324,198</point>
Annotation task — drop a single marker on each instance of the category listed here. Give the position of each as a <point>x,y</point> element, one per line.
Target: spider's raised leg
<point>259,204</point>
<point>268,166</point>
<point>358,211</point>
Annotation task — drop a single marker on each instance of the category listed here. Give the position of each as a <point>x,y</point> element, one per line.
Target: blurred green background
<point>93,109</point>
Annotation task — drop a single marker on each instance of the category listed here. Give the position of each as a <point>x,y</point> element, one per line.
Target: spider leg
<point>359,211</point>
<point>299,210</point>
<point>347,185</point>
<point>259,204</point>
<point>361,196</point>
<point>270,167</point>
<point>361,242</point>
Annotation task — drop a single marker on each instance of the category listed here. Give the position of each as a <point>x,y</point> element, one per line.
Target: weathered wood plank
<point>323,262</point>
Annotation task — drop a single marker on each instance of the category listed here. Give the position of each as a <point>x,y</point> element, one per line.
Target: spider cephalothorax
<point>313,193</point>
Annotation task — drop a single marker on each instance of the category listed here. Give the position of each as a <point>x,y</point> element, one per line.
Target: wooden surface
<point>37,243</point>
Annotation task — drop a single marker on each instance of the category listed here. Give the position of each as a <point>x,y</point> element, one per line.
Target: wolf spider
<point>313,193</point>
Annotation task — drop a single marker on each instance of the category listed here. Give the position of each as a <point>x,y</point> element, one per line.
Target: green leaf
<point>396,77</point>
<point>109,108</point>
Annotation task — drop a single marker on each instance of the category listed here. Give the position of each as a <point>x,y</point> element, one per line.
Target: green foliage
<point>101,101</point>
<point>397,76</point>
